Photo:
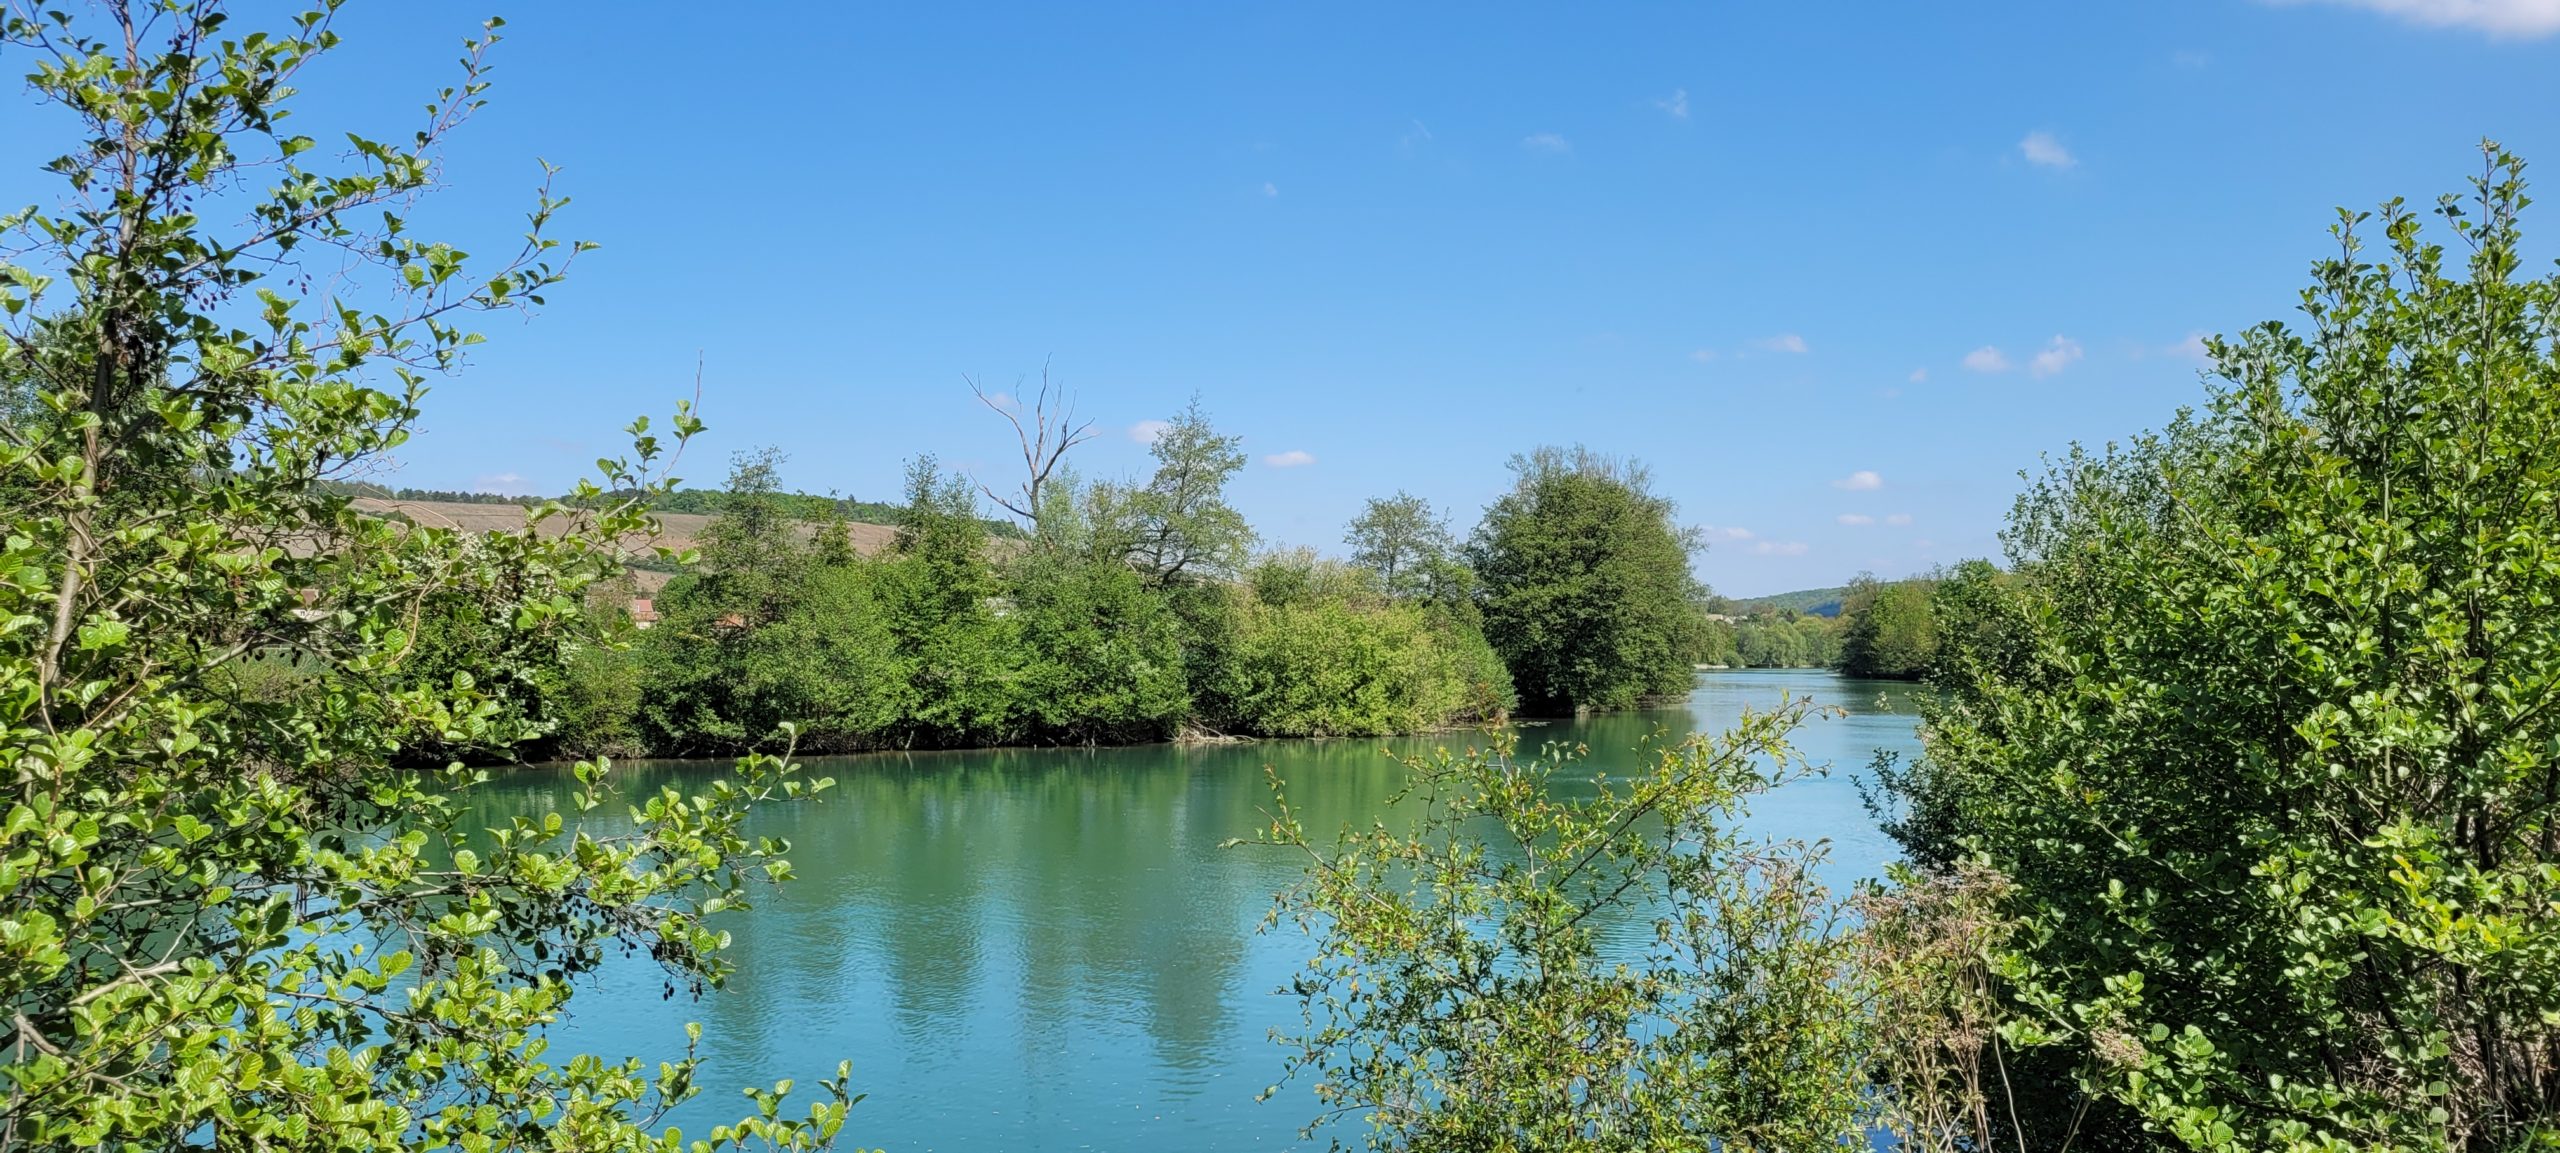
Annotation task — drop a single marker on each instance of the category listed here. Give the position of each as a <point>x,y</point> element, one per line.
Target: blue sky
<point>1836,272</point>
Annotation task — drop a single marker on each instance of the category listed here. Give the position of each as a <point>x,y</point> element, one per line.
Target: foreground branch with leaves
<point>1545,962</point>
<point>223,917</point>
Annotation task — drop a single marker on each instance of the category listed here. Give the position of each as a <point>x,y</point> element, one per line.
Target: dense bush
<point>1102,656</point>
<point>1775,640</point>
<point>1320,651</point>
<point>1585,585</point>
<point>1889,629</point>
<point>2261,734</point>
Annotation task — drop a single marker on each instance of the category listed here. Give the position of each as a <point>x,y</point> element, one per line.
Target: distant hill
<point>689,507</point>
<point>677,530</point>
<point>1810,602</point>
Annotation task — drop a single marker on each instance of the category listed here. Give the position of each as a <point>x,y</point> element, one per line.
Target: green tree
<point>753,552</point>
<point>1402,540</point>
<point>938,592</point>
<point>721,673</point>
<point>1585,583</point>
<point>1466,995</point>
<point>1102,654</point>
<point>2265,745</point>
<point>830,666</point>
<point>222,918</point>
<point>1179,526</point>
<point>1888,629</point>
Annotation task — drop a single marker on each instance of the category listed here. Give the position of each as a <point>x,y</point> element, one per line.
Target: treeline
<point>1133,611</point>
<point>1771,639</point>
<point>805,506</point>
<point>811,507</point>
<point>359,488</point>
<point>1884,629</point>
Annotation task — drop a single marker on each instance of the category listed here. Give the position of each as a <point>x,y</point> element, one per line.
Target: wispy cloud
<point>1898,519</point>
<point>2057,354</point>
<point>1728,532</point>
<point>1146,431</point>
<point>1987,359</point>
<point>1294,458</point>
<point>1676,104</point>
<point>1546,142</point>
<point>2522,19</point>
<point>1780,548</point>
<point>1784,342</point>
<point>1420,134</point>
<point>1855,518</point>
<point>501,483</point>
<point>1863,480</point>
<point>1270,189</point>
<point>1918,376</point>
<point>2192,348</point>
<point>2044,150</point>
<point>2190,58</point>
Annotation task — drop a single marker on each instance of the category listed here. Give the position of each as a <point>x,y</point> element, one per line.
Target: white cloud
<point>1898,519</point>
<point>1780,548</point>
<point>1146,431</point>
<point>2057,354</point>
<point>1705,355</point>
<point>1919,376</point>
<point>2524,19</point>
<point>1987,359</point>
<point>1783,342</point>
<point>2043,150</point>
<point>1270,189</point>
<point>1855,518</point>
<point>1730,532</point>
<point>2192,348</point>
<point>1677,104</point>
<point>1421,134</point>
<point>1863,480</point>
<point>1547,142</point>
<point>1293,458</point>
<point>501,483</point>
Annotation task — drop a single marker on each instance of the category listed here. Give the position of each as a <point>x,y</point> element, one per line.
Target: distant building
<point>644,612</point>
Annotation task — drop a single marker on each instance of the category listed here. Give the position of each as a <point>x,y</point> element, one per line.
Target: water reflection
<point>1048,949</point>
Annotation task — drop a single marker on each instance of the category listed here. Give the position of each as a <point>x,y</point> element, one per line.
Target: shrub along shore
<point>1121,613</point>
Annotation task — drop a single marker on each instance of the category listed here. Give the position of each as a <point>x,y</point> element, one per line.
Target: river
<point>1049,950</point>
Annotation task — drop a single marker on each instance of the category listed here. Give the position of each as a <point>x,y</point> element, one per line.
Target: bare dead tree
<point>1052,430</point>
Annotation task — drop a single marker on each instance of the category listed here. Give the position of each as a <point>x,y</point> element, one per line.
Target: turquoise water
<point>1048,949</point>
